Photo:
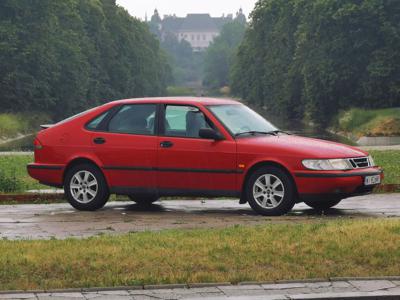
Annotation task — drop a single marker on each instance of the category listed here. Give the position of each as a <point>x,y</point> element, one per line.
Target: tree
<point>64,56</point>
<point>302,58</point>
<point>220,54</point>
<point>186,64</point>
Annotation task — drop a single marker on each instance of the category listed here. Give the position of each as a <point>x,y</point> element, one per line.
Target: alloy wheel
<point>84,187</point>
<point>268,191</point>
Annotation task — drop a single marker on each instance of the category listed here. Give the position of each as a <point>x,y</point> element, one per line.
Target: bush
<point>9,182</point>
<point>370,122</point>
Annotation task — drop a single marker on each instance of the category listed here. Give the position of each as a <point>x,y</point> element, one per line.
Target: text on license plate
<point>370,180</point>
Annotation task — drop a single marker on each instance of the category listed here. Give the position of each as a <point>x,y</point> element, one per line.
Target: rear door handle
<point>99,140</point>
<point>166,144</point>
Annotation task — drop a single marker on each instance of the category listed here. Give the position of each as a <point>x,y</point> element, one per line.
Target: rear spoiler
<point>46,126</point>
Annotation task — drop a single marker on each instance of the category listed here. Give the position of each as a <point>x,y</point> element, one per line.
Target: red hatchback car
<point>149,148</point>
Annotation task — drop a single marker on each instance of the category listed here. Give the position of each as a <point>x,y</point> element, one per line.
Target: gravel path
<point>393,147</point>
<point>15,153</point>
<point>20,137</point>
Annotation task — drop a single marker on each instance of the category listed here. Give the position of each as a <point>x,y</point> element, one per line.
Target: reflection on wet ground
<point>62,221</point>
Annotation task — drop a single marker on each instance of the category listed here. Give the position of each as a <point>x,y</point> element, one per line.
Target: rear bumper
<point>313,185</point>
<point>51,175</point>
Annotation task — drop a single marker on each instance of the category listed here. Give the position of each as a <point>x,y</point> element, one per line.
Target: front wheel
<point>323,204</point>
<point>270,191</point>
<point>86,187</point>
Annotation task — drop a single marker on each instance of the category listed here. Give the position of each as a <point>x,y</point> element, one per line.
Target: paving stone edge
<point>195,285</point>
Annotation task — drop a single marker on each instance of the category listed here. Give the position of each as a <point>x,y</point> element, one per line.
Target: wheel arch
<point>265,163</point>
<point>82,160</point>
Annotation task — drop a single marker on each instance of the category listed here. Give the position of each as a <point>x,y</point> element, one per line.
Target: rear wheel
<point>143,200</point>
<point>270,191</point>
<point>323,204</point>
<point>86,187</point>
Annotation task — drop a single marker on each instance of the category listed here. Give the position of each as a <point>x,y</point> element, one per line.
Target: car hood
<point>290,145</point>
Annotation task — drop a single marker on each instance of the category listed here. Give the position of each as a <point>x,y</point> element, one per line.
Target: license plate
<point>371,180</point>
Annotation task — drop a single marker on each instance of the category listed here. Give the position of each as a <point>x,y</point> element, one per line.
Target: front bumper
<point>334,184</point>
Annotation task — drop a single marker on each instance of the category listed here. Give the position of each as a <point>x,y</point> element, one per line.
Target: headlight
<point>327,164</point>
<point>371,161</point>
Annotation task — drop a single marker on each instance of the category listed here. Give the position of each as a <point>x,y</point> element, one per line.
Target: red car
<point>149,148</point>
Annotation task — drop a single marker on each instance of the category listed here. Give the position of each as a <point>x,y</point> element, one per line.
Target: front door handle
<point>99,140</point>
<point>166,144</point>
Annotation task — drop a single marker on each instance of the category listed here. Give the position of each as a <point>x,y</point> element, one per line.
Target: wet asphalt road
<point>62,221</point>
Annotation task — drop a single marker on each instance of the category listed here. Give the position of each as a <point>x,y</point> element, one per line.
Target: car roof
<point>180,100</point>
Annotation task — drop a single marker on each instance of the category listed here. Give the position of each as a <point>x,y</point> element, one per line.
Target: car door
<point>188,164</point>
<point>127,148</point>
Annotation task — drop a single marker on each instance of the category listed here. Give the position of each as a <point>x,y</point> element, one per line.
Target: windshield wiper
<point>253,132</point>
<point>279,131</point>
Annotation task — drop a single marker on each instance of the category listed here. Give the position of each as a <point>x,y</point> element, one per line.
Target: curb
<point>31,198</point>
<point>102,289</point>
<point>311,280</point>
<point>207,284</point>
<point>387,188</point>
<point>256,282</point>
<point>364,278</point>
<point>200,285</point>
<point>164,286</point>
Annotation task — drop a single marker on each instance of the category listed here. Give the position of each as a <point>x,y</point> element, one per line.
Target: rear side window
<point>94,124</point>
<point>134,119</point>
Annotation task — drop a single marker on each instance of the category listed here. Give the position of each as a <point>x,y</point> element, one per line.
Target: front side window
<point>184,121</point>
<point>134,119</point>
<point>240,119</point>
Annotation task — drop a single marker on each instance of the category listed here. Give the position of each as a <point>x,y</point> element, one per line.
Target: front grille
<point>360,162</point>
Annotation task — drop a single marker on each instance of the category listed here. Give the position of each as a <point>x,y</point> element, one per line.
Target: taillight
<point>37,145</point>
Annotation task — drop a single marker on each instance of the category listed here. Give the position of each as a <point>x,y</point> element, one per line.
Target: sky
<point>215,8</point>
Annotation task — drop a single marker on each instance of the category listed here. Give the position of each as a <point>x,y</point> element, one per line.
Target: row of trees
<point>221,54</point>
<point>186,65</point>
<point>64,56</point>
<point>302,58</point>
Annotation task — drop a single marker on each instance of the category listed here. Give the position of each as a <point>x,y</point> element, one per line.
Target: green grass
<point>323,249</point>
<point>390,162</point>
<point>15,167</point>
<point>13,124</point>
<point>373,122</point>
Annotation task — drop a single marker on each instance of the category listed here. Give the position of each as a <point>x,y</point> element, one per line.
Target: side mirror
<point>210,134</point>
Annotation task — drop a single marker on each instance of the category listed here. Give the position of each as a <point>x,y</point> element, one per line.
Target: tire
<point>276,198</point>
<point>143,200</point>
<point>323,204</point>
<point>80,194</point>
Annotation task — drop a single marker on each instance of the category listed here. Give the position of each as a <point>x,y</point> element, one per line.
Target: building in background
<point>199,30</point>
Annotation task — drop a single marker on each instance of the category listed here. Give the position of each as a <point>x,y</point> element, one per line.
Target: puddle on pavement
<point>61,221</point>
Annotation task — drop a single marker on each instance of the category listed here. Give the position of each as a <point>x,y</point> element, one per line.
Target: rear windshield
<point>76,116</point>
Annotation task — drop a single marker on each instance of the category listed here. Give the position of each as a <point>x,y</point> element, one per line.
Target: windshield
<point>239,119</point>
